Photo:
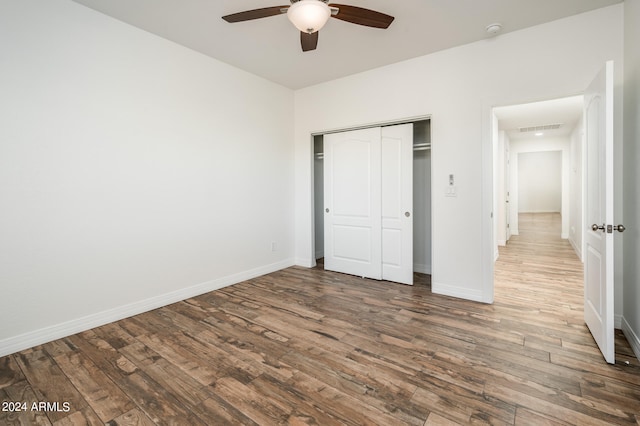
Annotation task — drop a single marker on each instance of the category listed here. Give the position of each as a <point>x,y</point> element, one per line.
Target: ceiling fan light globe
<point>309,16</point>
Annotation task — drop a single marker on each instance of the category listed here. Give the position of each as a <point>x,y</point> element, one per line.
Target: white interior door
<point>397,203</point>
<point>598,259</point>
<point>352,201</point>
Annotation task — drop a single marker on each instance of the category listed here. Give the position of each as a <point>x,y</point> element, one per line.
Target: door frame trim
<point>488,242</point>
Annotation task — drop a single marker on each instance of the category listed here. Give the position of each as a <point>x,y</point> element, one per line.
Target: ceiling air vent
<point>541,128</point>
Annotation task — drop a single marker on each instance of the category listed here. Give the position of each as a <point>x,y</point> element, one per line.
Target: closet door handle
<point>327,210</point>
<point>407,214</point>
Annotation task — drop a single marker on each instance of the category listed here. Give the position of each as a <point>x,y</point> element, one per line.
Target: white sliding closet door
<point>368,200</point>
<point>352,223</point>
<point>397,203</point>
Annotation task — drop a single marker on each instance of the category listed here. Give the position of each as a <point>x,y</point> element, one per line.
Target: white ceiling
<point>565,111</point>
<point>270,47</point>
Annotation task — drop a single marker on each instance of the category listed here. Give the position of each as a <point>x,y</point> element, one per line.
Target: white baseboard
<point>564,236</point>
<point>502,242</point>
<point>422,268</point>
<point>459,292</point>
<point>632,337</point>
<point>58,331</point>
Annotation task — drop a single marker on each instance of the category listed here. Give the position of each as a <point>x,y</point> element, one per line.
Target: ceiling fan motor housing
<point>309,16</point>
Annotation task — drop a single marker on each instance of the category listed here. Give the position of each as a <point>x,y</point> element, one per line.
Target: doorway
<point>538,201</point>
<point>421,195</point>
<point>538,158</point>
<point>597,144</point>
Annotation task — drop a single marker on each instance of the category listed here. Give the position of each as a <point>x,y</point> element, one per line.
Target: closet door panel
<point>352,191</point>
<point>397,203</point>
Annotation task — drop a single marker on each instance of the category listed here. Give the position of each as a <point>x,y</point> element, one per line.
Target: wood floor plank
<point>350,409</point>
<point>104,397</point>
<point>435,419</point>
<point>23,394</point>
<point>173,352</point>
<point>114,335</point>
<point>526,417</point>
<point>133,417</point>
<point>217,411</point>
<point>157,403</point>
<point>460,404</point>
<point>304,408</point>
<point>84,417</point>
<point>304,346</point>
<point>49,382</point>
<point>186,389</point>
<point>260,408</point>
<point>252,355</point>
<point>109,360</point>
<point>10,373</point>
<point>353,379</point>
<point>58,347</point>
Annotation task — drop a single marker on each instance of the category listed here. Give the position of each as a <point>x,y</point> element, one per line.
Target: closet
<point>368,203</point>
<point>384,250</point>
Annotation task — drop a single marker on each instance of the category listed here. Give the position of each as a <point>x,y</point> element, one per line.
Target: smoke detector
<point>494,29</point>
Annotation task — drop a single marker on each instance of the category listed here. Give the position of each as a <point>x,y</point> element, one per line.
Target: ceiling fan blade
<point>308,41</point>
<point>248,15</point>
<point>362,16</point>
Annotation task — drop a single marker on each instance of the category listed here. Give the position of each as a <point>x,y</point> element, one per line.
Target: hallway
<point>539,268</point>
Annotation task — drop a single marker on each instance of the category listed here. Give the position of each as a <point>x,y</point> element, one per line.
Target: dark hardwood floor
<point>309,347</point>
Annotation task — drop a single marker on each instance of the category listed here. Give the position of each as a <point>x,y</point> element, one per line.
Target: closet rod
<point>422,146</point>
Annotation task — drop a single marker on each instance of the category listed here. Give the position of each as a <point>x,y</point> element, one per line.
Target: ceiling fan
<point>309,16</point>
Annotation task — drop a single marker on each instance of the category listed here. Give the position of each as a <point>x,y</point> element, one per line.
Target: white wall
<point>519,147</point>
<point>133,172</point>
<point>457,87</point>
<point>576,188</point>
<point>631,237</point>
<point>501,142</point>
<point>540,182</point>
